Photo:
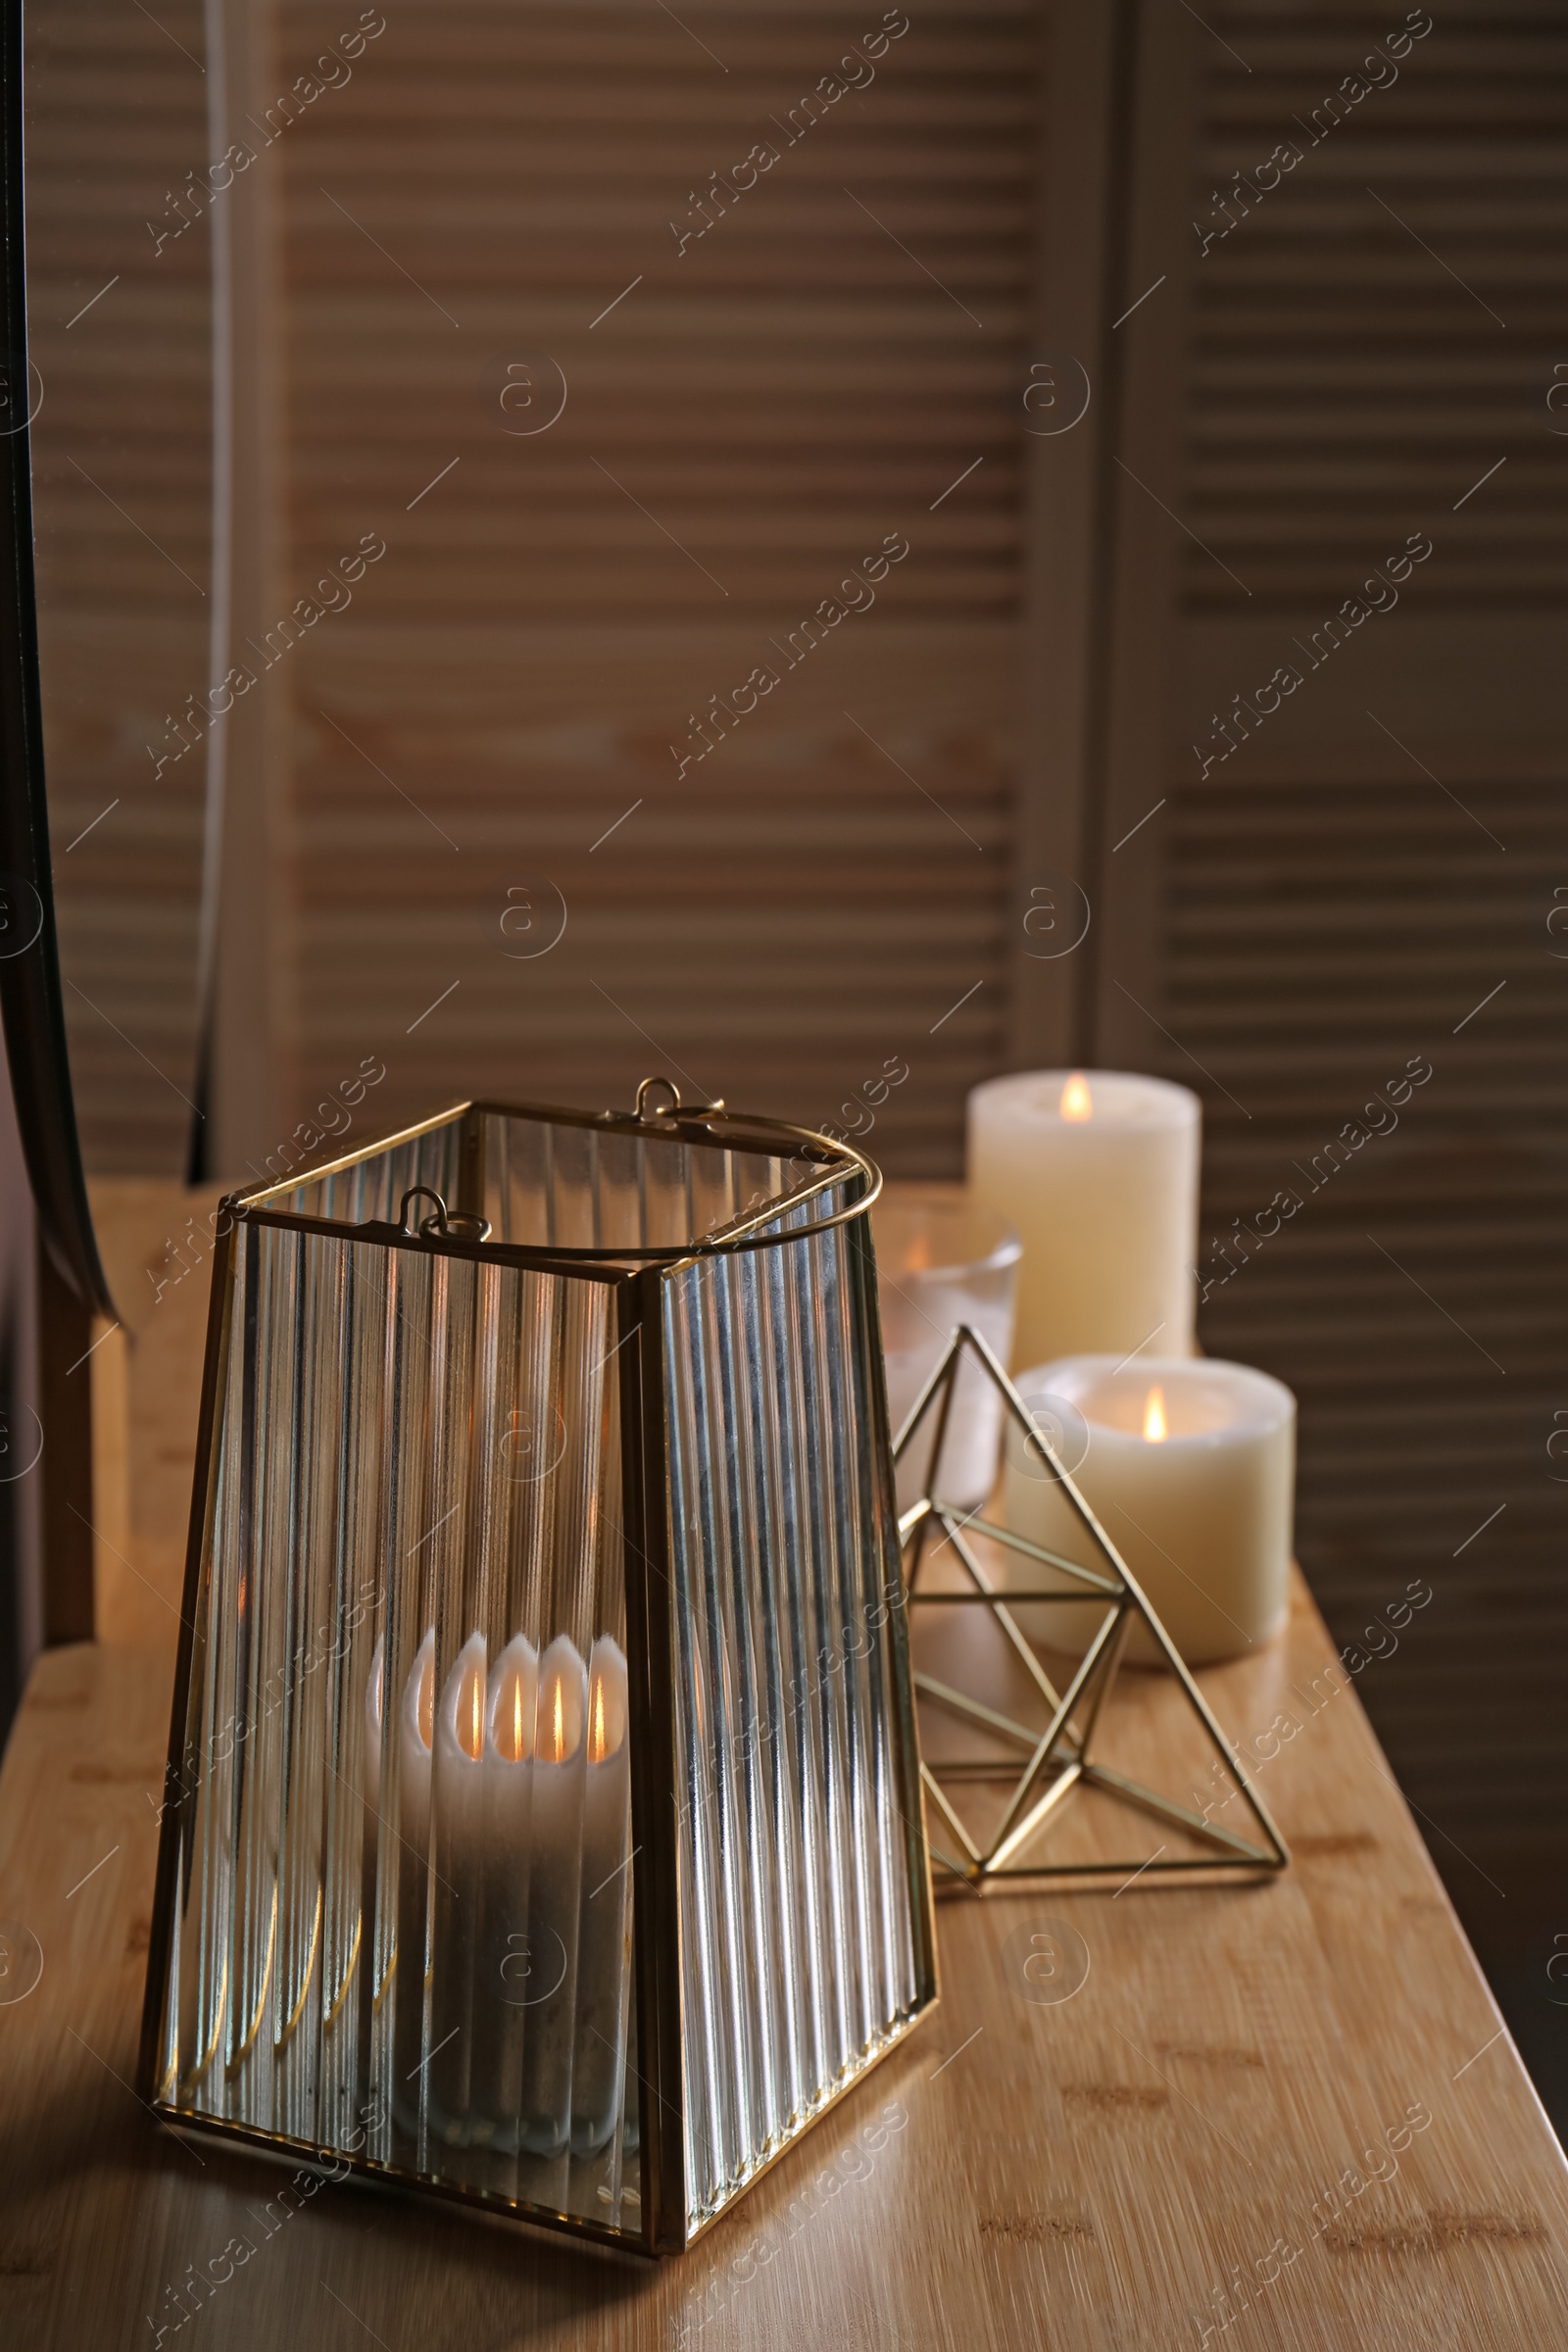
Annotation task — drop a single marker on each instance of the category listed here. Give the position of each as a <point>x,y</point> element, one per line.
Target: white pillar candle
<point>554,1892</point>
<point>457,1846</point>
<point>1190,1467</point>
<point>416,1729</point>
<point>1097,1172</point>
<point>602,1938</point>
<point>506,1978</point>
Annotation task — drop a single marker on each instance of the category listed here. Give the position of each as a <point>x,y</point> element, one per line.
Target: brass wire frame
<point>693,1123</point>
<point>637,1276</point>
<point>1063,1744</point>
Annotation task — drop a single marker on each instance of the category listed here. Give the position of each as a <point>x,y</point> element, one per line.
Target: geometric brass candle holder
<point>542,1820</point>
<point>1041,1764</point>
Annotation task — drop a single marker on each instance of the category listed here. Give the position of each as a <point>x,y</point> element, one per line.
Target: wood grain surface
<point>156,1241</point>
<point>1292,2109</point>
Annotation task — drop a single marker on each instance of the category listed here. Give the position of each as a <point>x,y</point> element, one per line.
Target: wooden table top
<point>1283,2115</point>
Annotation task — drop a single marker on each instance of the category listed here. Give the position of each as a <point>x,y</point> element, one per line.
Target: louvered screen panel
<point>120,329</point>
<point>798,912</point>
<point>1369,877</point>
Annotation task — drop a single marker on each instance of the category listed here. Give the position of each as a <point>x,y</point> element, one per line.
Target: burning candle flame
<point>1154,1428</point>
<point>470,1716</point>
<point>1076,1101</point>
<point>514,1721</point>
<point>562,1703</point>
<point>427,1699</point>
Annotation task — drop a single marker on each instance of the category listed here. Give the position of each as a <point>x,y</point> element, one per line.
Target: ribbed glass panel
<point>404,1918</point>
<point>798,1930</point>
<point>550,1186</point>
<point>545,1183</point>
<point>373,1187</point>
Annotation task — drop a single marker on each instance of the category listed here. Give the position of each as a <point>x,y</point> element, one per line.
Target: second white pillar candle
<point>1096,1173</point>
<point>1191,1470</point>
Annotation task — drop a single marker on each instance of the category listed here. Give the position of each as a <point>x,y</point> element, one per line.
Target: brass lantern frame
<point>638,1278</point>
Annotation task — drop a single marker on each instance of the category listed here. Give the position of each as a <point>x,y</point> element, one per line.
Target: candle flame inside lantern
<point>1154,1428</point>
<point>513,1723</point>
<point>470,1715</point>
<point>1077,1102</point>
<point>427,1699</point>
<point>560,1738</point>
<point>598,1743</point>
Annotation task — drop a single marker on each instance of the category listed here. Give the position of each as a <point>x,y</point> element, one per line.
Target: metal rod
<point>1004,1617</point>
<point>1037,1551</point>
<point>934,1792</point>
<point>1070,1697</point>
<point>1209,1870</point>
<point>1166,1808</point>
<point>1035,1820</point>
<point>946,1696</point>
<point>1117,1644</point>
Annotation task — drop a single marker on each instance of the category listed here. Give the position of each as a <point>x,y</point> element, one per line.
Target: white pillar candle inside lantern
<point>553,1894</point>
<point>416,1730</point>
<point>457,1798</point>
<point>505,1976</point>
<point>1190,1467</point>
<point>603,1948</point>
<point>1097,1172</point>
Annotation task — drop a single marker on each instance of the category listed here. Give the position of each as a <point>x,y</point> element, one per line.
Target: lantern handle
<point>454,1224</point>
<point>667,1110</point>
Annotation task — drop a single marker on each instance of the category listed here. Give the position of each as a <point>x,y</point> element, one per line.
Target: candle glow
<point>1077,1102</point>
<point>563,1710</point>
<point>607,1718</point>
<point>513,1729</point>
<point>427,1697</point>
<point>1154,1428</point>
<point>470,1715</point>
